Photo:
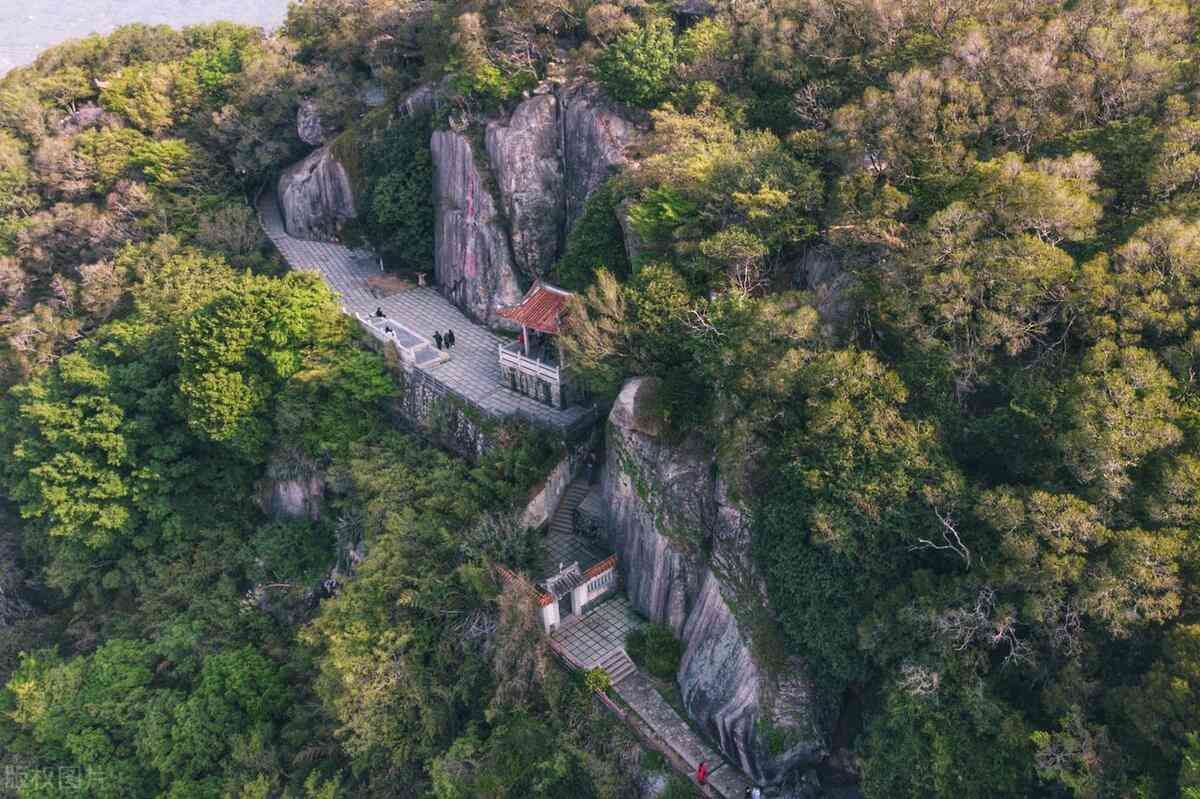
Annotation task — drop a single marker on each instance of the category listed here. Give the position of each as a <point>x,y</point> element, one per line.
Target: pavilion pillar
<point>525,339</point>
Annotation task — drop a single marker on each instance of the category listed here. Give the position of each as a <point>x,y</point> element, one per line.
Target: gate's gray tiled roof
<point>565,549</point>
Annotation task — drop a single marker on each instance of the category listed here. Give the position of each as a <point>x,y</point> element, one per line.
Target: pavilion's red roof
<point>541,308</point>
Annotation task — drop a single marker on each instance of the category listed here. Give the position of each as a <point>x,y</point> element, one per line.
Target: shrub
<point>392,171</point>
<point>656,649</point>
<point>660,213</point>
<point>289,550</point>
<point>637,67</point>
<point>597,680</point>
<point>596,240</point>
<point>678,788</point>
<point>653,762</point>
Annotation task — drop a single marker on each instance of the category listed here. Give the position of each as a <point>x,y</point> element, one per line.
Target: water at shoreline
<point>30,26</point>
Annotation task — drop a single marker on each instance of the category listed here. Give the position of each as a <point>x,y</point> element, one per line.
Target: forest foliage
<point>163,630</point>
<point>925,277</point>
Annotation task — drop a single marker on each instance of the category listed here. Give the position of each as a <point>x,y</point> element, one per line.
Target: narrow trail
<point>597,639</point>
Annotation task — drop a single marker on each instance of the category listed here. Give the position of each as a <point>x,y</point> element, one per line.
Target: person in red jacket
<point>702,773</point>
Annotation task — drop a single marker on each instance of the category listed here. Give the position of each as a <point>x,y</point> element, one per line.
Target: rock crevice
<point>525,158</point>
<point>545,159</point>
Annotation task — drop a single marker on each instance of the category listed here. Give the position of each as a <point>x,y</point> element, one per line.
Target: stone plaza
<point>472,370</point>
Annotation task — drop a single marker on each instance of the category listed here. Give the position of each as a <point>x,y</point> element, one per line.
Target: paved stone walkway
<point>641,695</point>
<point>472,370</point>
<point>590,637</point>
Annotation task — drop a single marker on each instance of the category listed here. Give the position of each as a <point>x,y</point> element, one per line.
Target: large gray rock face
<point>471,257</point>
<point>667,507</point>
<point>525,160</point>
<point>293,488</point>
<point>822,272</point>
<point>315,197</point>
<point>308,124</point>
<point>555,149</point>
<point>594,136</point>
<point>420,100</point>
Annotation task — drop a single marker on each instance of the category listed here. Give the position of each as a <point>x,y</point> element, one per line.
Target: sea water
<point>27,27</point>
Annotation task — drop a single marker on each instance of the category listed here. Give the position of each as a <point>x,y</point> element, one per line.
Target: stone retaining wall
<point>544,498</point>
<point>430,408</point>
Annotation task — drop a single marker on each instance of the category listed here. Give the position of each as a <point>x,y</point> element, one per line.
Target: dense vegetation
<point>973,473</point>
<point>924,275</point>
<point>164,629</point>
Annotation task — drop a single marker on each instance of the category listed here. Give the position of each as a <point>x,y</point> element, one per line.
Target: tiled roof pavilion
<point>541,309</point>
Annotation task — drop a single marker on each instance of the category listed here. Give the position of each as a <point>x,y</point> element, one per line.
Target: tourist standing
<point>437,338</point>
<point>449,338</point>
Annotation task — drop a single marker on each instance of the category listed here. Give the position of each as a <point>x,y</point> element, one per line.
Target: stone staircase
<point>618,665</point>
<point>563,521</point>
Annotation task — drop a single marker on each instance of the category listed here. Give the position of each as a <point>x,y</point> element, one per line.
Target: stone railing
<point>407,343</point>
<point>511,357</point>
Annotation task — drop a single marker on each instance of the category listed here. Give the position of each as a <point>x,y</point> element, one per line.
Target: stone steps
<point>618,665</point>
<point>563,521</point>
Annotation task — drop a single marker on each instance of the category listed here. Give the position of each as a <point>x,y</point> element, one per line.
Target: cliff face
<point>824,274</point>
<point>545,159</point>
<point>471,256</point>
<point>667,508</point>
<point>293,488</point>
<point>309,127</point>
<point>315,197</point>
<point>594,138</point>
<point>525,160</point>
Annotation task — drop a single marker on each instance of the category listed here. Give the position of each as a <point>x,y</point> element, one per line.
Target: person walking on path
<point>437,338</point>
<point>449,338</point>
<point>702,773</point>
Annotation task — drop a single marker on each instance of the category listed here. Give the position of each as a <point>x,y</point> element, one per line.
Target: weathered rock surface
<point>667,507</point>
<point>651,786</point>
<point>824,275</point>
<point>594,138</point>
<point>308,124</point>
<point>293,488</point>
<point>420,100</point>
<point>315,197</point>
<point>634,407</point>
<point>525,160</point>
<point>694,8</point>
<point>471,256</point>
<point>373,94</point>
<point>555,149</point>
<point>88,115</point>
